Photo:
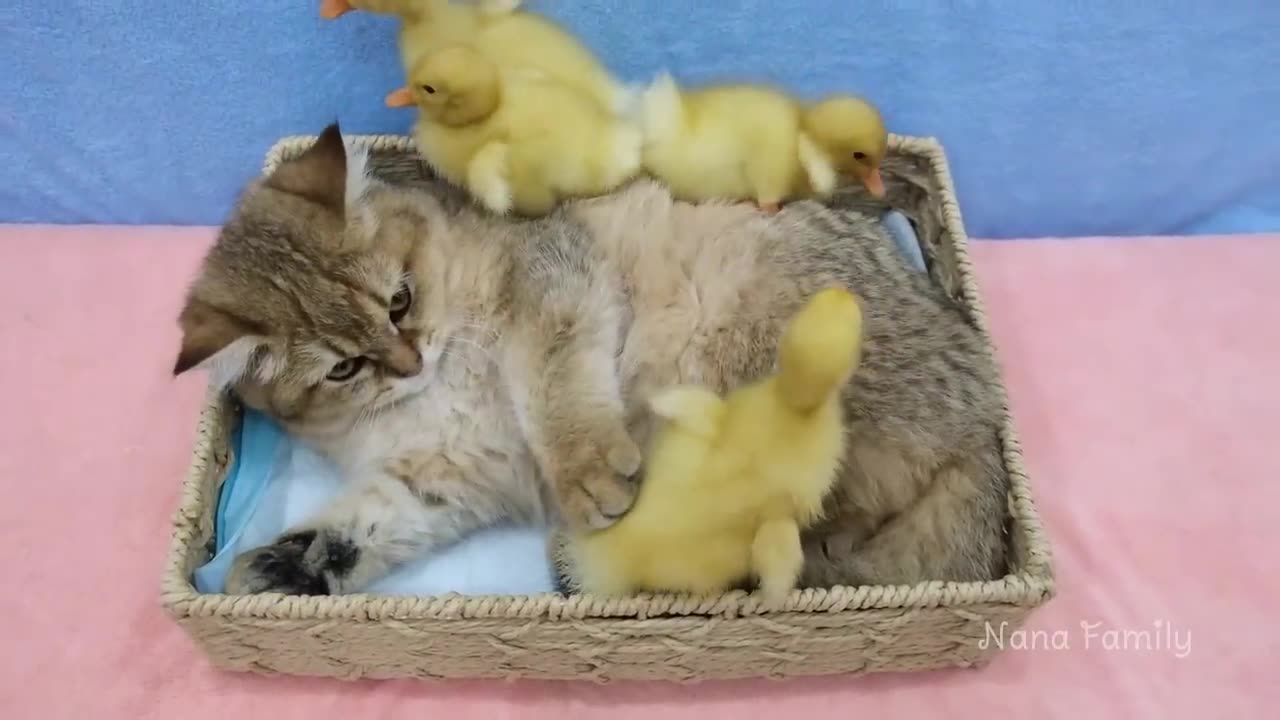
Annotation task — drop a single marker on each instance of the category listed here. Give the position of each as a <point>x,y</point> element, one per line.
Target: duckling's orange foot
<point>330,9</point>
<point>769,207</point>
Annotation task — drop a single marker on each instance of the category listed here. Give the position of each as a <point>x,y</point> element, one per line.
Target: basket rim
<point>1030,587</point>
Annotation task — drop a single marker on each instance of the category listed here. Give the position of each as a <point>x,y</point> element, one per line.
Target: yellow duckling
<point>516,140</point>
<point>746,142</point>
<point>507,36</point>
<point>730,483</point>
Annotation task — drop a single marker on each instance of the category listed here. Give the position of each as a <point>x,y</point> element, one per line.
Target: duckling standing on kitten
<point>500,31</point>
<point>517,140</point>
<point>748,142</point>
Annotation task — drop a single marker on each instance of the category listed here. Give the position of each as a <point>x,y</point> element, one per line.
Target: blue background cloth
<point>1060,118</point>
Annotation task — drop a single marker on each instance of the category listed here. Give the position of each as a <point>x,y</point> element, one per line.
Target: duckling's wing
<point>820,171</point>
<point>693,409</point>
<point>488,177</point>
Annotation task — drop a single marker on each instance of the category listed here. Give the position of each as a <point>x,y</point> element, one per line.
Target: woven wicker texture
<point>817,631</point>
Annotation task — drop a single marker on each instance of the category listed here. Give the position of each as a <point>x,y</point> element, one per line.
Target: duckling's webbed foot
<point>333,9</point>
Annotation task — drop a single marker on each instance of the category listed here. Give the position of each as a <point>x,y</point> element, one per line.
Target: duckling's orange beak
<point>330,9</point>
<point>400,98</point>
<point>874,182</point>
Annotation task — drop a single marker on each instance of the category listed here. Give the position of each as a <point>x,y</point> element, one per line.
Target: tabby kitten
<point>465,370</point>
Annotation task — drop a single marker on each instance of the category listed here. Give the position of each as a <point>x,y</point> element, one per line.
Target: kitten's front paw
<point>307,562</point>
<point>597,486</point>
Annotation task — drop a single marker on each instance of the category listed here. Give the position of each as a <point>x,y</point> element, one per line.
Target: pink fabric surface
<point>1143,373</point>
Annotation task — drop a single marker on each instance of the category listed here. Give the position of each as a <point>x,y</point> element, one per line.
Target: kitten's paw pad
<point>599,482</point>
<point>599,498</point>
<point>625,457</point>
<point>301,563</point>
<point>595,476</point>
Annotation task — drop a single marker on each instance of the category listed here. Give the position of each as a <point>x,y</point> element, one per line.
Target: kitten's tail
<point>820,350</point>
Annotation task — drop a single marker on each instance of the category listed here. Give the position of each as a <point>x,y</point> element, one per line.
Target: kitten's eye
<point>859,156</point>
<point>346,369</point>
<point>400,303</point>
<point>428,90</point>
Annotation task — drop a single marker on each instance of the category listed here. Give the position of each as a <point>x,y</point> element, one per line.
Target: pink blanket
<point>1143,372</point>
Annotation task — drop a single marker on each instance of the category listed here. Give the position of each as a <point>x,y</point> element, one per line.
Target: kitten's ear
<point>207,331</point>
<point>318,174</point>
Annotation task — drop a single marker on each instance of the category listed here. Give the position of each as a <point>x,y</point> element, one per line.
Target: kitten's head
<point>309,320</point>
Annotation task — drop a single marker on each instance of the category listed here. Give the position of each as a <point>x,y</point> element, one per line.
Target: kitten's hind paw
<point>306,562</point>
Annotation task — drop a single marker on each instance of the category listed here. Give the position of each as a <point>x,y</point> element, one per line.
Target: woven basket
<point>818,631</point>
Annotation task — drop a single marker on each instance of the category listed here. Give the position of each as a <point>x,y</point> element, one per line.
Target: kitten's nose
<point>403,359</point>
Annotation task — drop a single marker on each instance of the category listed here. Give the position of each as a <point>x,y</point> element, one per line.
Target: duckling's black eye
<point>428,90</point>
<point>859,156</point>
<point>346,369</point>
<point>400,303</point>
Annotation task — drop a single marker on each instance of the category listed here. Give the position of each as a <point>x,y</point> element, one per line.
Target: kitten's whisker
<point>485,358</point>
<point>368,415</point>
<point>468,341</point>
<point>466,359</point>
<point>470,323</point>
<point>459,357</point>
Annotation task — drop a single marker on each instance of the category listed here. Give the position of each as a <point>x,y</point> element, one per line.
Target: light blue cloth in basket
<point>274,483</point>
<point>904,235</point>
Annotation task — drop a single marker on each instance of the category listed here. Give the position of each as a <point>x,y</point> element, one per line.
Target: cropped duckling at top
<point>500,31</point>
<point>751,142</point>
<point>517,140</point>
